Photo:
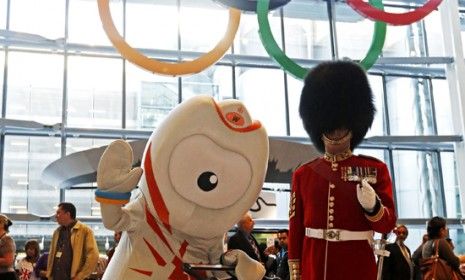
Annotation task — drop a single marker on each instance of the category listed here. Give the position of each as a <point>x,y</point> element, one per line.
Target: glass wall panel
<point>451,185</point>
<point>196,20</point>
<point>418,186</point>
<point>378,126</point>
<point>94,92</point>
<point>28,16</point>
<point>23,191</point>
<point>3,14</point>
<point>434,34</point>
<point>149,97</point>
<point>442,107</point>
<point>247,40</point>
<point>90,31</point>
<point>2,68</point>
<point>216,81</point>
<point>262,91</point>
<point>35,87</point>
<point>306,30</point>
<point>294,89</point>
<point>376,153</point>
<point>152,25</point>
<point>410,108</point>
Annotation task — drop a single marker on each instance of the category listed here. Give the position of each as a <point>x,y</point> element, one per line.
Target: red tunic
<point>321,204</point>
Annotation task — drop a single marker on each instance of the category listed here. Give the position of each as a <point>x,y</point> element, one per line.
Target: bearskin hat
<point>336,95</point>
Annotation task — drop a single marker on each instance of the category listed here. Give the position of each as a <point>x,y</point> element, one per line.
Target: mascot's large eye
<point>207,181</point>
<point>207,173</point>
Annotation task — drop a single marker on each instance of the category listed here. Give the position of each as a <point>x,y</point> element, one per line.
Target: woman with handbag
<point>439,261</point>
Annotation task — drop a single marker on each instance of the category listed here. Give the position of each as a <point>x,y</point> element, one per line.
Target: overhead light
<point>18,207</point>
<point>22,183</point>
<point>18,143</point>
<point>18,175</point>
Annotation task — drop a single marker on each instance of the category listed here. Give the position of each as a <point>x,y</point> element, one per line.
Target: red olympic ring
<point>369,11</point>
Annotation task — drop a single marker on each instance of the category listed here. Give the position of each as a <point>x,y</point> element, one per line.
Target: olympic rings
<point>293,68</point>
<point>156,66</point>
<point>368,11</point>
<point>250,5</point>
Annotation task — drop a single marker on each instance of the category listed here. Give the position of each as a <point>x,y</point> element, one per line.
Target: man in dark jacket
<point>399,265</point>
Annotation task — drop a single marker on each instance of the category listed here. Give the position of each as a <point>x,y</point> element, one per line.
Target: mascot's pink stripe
<point>148,273</point>
<point>154,191</point>
<point>155,254</point>
<point>153,224</point>
<point>255,125</point>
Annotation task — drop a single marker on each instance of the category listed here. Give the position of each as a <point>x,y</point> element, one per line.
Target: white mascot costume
<point>203,168</point>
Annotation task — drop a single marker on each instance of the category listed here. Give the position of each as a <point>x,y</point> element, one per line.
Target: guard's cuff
<point>377,213</point>
<point>112,197</point>
<point>294,269</point>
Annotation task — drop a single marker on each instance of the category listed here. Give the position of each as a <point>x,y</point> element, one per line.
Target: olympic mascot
<point>340,199</point>
<point>202,169</point>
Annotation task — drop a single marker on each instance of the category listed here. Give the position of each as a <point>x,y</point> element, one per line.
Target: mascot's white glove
<point>366,196</point>
<point>115,173</point>
<point>246,267</point>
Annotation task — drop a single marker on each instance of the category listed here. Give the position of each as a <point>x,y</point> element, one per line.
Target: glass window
<point>418,188</point>
<point>35,87</point>
<point>306,30</point>
<point>196,20</point>
<point>247,41</point>
<point>2,68</point>
<point>376,153</point>
<point>434,34</point>
<point>262,91</point>
<point>3,16</point>
<point>451,185</point>
<point>378,126</point>
<point>442,106</point>
<point>28,16</point>
<point>216,81</point>
<point>23,191</point>
<point>410,107</point>
<point>149,97</point>
<point>152,25</point>
<point>90,31</point>
<point>294,88</point>
<point>94,92</point>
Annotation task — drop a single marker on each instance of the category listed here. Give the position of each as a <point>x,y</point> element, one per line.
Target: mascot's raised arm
<point>203,168</point>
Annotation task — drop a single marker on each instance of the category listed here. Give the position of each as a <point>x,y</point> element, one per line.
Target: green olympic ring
<point>296,70</point>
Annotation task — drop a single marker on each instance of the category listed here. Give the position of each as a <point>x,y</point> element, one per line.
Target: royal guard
<point>339,200</point>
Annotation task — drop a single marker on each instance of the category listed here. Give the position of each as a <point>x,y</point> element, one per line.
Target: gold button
<point>331,204</point>
<point>332,186</point>
<point>331,218</point>
<point>331,211</point>
<point>330,225</point>
<point>331,198</point>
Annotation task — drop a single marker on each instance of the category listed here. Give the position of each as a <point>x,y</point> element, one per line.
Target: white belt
<point>339,234</point>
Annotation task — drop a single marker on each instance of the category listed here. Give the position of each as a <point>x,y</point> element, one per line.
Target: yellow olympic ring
<point>166,68</point>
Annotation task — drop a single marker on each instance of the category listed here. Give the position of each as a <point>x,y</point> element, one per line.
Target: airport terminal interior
<point>65,89</point>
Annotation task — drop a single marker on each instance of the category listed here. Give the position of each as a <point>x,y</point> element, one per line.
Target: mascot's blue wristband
<point>113,195</point>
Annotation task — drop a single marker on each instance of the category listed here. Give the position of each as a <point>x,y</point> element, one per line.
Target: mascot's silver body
<point>203,168</point>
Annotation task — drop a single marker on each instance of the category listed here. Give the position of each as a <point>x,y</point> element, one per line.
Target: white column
<point>455,73</point>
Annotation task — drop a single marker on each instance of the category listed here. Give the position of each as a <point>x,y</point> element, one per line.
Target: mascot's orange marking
<point>145,272</point>
<point>155,195</point>
<point>155,254</point>
<point>254,126</point>
<point>153,224</point>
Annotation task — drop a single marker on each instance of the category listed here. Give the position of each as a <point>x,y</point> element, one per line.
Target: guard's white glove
<point>115,171</point>
<point>366,196</point>
<point>246,267</point>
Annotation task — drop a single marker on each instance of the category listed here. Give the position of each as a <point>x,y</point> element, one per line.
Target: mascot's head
<point>204,166</point>
<point>336,95</point>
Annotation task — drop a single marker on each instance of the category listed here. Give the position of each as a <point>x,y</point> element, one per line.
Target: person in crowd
<point>245,241</point>
<point>416,257</point>
<point>399,265</point>
<point>116,238</point>
<point>437,233</point>
<point>73,249</point>
<point>281,258</point>
<point>41,267</point>
<point>7,250</point>
<point>25,267</point>
<point>340,199</point>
